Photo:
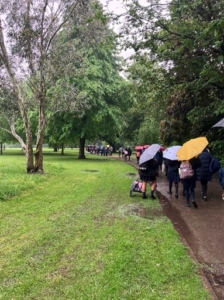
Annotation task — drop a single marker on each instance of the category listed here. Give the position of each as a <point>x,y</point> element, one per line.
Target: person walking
<point>148,172</point>
<point>221,180</point>
<point>138,153</point>
<point>120,150</point>
<point>173,175</point>
<point>188,176</point>
<point>203,173</point>
<point>129,153</point>
<point>125,154</point>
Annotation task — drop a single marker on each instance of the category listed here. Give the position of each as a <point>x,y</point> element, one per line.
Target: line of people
<point>199,167</point>
<point>100,150</point>
<point>125,153</point>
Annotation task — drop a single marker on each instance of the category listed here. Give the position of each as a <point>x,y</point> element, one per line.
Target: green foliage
<point>216,148</point>
<point>147,87</point>
<point>97,83</point>
<point>188,45</point>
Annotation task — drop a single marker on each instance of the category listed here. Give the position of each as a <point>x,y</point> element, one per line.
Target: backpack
<point>186,170</point>
<point>214,165</point>
<point>136,186</point>
<point>144,167</point>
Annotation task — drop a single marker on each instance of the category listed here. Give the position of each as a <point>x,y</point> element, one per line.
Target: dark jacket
<point>221,177</point>
<point>173,170</point>
<point>172,165</point>
<point>129,151</point>
<point>152,168</point>
<point>203,172</point>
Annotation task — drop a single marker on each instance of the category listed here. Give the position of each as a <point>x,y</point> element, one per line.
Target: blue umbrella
<point>149,153</point>
<point>170,153</point>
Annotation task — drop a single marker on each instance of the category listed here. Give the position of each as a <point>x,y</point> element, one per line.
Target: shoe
<point>153,197</point>
<point>187,205</point>
<point>169,192</point>
<point>195,204</point>
<point>144,195</point>
<point>204,198</point>
<point>176,195</point>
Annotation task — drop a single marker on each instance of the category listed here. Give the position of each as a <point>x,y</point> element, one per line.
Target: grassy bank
<point>73,233</point>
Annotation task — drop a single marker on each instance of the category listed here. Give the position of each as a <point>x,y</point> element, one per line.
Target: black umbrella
<point>219,124</point>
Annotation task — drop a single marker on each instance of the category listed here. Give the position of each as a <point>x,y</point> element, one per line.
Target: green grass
<point>71,234</point>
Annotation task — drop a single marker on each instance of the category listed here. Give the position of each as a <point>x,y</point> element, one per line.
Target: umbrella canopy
<point>149,153</point>
<point>138,147</point>
<point>192,148</point>
<point>219,124</point>
<point>170,153</point>
<point>146,146</point>
<point>162,148</point>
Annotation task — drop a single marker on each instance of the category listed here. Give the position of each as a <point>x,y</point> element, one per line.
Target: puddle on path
<point>131,175</point>
<point>141,211</point>
<point>146,213</point>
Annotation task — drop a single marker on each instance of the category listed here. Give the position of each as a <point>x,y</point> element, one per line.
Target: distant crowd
<point>100,150</point>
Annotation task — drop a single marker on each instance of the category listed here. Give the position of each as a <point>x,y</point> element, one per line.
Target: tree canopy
<point>185,38</point>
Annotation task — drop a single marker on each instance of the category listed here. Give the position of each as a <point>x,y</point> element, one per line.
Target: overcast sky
<point>117,6</point>
<point>114,5</point>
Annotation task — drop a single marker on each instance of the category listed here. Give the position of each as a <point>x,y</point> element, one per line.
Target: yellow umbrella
<point>192,148</point>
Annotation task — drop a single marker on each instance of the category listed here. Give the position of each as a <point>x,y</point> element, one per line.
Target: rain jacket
<point>203,172</point>
<point>152,168</point>
<point>221,177</point>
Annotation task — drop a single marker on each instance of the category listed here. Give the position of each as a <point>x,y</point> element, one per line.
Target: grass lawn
<point>72,234</point>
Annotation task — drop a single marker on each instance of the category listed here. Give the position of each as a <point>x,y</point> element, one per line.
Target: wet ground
<point>201,229</point>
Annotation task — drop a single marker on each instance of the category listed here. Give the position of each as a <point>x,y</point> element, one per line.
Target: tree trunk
<point>82,148</point>
<point>55,148</point>
<point>28,148</point>
<point>38,168</point>
<point>62,149</point>
<point>29,152</point>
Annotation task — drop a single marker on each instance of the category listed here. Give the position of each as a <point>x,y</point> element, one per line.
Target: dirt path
<point>201,229</point>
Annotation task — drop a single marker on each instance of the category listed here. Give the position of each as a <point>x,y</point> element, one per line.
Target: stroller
<point>136,186</point>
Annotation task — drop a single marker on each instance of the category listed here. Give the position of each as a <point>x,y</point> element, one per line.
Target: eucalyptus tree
<point>27,32</point>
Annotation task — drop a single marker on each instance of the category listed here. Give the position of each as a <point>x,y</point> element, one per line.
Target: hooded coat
<point>203,173</point>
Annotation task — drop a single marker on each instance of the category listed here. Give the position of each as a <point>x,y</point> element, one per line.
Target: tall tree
<point>27,31</point>
<point>148,88</point>
<point>97,79</point>
<point>186,39</point>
